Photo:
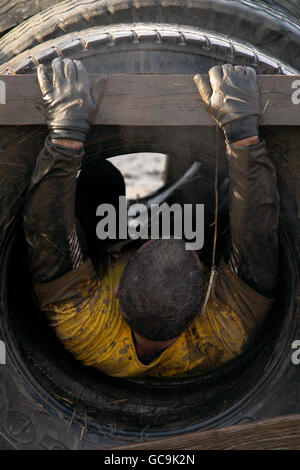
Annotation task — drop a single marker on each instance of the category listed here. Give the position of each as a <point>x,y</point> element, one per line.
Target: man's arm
<point>232,98</point>
<point>254,217</point>
<point>55,242</point>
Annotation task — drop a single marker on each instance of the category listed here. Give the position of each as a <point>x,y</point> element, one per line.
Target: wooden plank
<point>272,434</point>
<point>154,100</point>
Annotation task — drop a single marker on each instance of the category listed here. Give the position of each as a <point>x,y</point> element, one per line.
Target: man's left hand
<point>231,96</point>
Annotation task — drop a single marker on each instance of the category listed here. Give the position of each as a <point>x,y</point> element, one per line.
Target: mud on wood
<point>154,100</point>
<point>272,434</point>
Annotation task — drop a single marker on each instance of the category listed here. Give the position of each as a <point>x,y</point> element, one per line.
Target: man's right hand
<point>69,103</point>
<point>231,96</point>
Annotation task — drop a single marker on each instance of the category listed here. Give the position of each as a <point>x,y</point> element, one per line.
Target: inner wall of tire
<point>133,404</point>
<point>162,406</point>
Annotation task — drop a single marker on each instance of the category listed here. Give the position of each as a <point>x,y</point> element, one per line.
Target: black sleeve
<point>254,217</point>
<point>54,239</point>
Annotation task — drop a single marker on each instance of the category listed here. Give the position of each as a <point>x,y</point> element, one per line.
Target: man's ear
<point>116,291</point>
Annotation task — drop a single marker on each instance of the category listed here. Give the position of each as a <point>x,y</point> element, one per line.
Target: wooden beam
<point>271,434</point>
<point>149,100</point>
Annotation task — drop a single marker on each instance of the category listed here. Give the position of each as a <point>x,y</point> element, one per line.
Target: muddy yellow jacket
<point>86,316</point>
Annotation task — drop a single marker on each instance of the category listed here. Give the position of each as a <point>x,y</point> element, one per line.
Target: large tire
<point>288,7</point>
<point>47,399</point>
<point>14,12</point>
<point>269,30</point>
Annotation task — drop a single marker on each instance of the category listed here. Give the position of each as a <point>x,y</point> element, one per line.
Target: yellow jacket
<point>86,316</point>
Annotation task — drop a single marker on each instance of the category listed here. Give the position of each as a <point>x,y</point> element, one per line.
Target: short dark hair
<point>162,289</point>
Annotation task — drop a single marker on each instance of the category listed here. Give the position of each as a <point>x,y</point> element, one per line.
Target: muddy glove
<point>69,103</point>
<point>231,96</point>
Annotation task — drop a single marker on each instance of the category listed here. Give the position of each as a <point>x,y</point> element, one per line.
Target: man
<point>145,315</point>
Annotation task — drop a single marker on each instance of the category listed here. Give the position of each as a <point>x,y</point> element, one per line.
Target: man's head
<point>162,289</point>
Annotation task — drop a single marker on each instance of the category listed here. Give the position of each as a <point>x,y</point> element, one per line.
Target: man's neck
<point>147,348</point>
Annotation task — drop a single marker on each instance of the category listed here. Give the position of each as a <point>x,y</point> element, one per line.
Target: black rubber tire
<point>269,30</point>
<point>47,399</point>
<point>287,7</point>
<point>14,12</point>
